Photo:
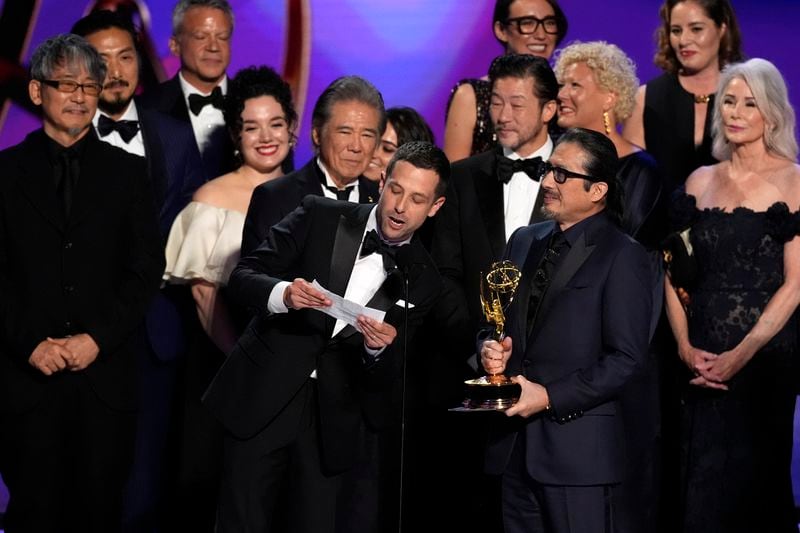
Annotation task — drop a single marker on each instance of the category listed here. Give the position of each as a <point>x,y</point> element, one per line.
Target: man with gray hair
<point>346,125</point>
<point>201,38</point>
<point>80,260</point>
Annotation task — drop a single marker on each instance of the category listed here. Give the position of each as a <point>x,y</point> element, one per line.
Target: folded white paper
<point>345,310</point>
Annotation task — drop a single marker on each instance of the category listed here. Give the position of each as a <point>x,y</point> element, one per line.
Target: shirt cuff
<point>373,355</point>
<point>275,303</point>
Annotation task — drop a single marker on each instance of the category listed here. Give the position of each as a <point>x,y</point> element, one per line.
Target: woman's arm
<point>461,119</point>
<point>213,314</point>
<point>777,312</point>
<point>633,128</point>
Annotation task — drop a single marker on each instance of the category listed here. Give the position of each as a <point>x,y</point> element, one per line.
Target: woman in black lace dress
<point>736,334</point>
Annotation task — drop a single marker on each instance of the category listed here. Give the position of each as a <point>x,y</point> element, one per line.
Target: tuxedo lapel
<point>489,192</point>
<point>531,262</point>
<point>367,191</point>
<point>36,181</point>
<point>577,255</point>
<point>154,156</point>
<point>536,214</point>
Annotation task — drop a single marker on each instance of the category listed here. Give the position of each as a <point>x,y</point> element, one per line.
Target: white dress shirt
<point>209,119</point>
<point>329,181</point>
<point>519,194</point>
<point>366,278</point>
<point>136,145</point>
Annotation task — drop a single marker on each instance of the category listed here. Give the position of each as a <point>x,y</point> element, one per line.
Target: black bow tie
<point>127,129</point>
<point>508,167</point>
<point>373,244</point>
<point>197,102</point>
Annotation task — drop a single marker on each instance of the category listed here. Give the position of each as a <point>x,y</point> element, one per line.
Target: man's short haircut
<point>600,162</point>
<point>105,20</point>
<point>424,155</point>
<point>348,89</point>
<point>185,5</point>
<point>521,66</point>
<point>66,50</point>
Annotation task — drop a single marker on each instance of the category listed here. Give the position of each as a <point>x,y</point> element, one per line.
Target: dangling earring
<point>607,122</point>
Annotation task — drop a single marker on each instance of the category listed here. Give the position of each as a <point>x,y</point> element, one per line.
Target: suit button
<point>67,245</point>
<point>69,288</point>
<point>526,362</point>
<point>68,324</point>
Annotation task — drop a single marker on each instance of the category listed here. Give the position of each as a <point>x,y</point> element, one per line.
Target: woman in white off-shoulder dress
<point>205,239</point>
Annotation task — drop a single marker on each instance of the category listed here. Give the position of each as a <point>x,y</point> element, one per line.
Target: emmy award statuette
<point>498,287</point>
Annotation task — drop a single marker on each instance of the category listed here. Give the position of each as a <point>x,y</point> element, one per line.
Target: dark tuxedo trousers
<point>263,388</point>
<point>273,200</point>
<point>67,438</point>
<point>168,98</point>
<point>589,339</point>
<point>175,171</point>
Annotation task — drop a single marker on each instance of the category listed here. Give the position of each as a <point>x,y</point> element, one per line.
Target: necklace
<point>702,98</point>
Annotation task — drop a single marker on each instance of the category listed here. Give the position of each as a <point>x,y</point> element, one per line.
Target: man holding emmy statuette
<point>575,333</point>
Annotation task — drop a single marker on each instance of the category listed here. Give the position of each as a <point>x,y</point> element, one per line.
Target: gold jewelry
<point>702,98</point>
<point>607,122</point>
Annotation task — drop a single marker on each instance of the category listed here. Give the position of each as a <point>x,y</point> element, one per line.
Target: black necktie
<point>66,173</point>
<point>508,167</point>
<point>557,248</point>
<point>127,129</point>
<point>197,102</point>
<point>373,244</point>
<point>341,194</point>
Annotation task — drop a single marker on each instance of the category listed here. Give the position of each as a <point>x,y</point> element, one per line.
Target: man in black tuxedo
<point>201,38</point>
<point>490,196</point>
<point>577,332</point>
<point>300,389</point>
<point>175,172</point>
<point>80,260</point>
<point>346,126</point>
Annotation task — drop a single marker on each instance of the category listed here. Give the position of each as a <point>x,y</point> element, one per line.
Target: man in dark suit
<point>300,389</point>
<point>201,38</point>
<point>175,172</point>
<point>577,332</point>
<point>346,126</point>
<point>80,259</point>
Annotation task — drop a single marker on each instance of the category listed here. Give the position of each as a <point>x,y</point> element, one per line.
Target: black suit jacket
<point>276,355</point>
<point>94,272</point>
<point>273,200</point>
<point>590,337</point>
<point>469,235</point>
<point>168,99</point>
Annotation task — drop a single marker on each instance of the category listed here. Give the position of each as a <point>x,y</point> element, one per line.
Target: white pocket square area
<point>402,303</point>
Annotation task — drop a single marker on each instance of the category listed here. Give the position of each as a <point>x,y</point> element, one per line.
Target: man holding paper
<point>301,388</point>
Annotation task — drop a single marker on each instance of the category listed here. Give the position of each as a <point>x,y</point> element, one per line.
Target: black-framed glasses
<point>560,175</point>
<point>528,25</point>
<point>67,86</point>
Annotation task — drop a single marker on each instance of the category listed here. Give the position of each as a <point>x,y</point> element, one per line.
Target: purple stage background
<point>414,51</point>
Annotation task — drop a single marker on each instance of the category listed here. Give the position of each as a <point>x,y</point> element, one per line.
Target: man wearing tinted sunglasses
<point>577,332</point>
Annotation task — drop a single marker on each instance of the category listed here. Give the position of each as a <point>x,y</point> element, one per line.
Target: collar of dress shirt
<point>130,114</point>
<point>372,224</point>
<point>544,151</point>
<point>188,88</point>
<point>328,180</point>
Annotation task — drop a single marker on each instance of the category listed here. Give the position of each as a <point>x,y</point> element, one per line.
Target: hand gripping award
<point>498,288</point>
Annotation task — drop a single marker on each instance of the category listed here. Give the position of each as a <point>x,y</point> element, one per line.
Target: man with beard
<point>175,171</point>
<point>80,260</point>
<point>201,38</point>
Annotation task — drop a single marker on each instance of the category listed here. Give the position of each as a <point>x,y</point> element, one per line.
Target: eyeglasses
<point>66,86</point>
<point>528,25</point>
<point>560,175</point>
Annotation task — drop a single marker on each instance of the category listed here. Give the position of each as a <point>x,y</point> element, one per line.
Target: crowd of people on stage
<point>175,356</point>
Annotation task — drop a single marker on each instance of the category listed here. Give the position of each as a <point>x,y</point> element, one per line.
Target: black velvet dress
<point>737,444</point>
<point>483,137</point>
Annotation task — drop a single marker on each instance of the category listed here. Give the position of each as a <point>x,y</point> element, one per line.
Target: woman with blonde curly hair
<point>598,85</point>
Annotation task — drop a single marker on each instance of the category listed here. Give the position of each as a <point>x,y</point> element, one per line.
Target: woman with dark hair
<point>736,327</point>
<point>696,40</point>
<point>403,124</point>
<point>532,27</point>
<point>205,240</point>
